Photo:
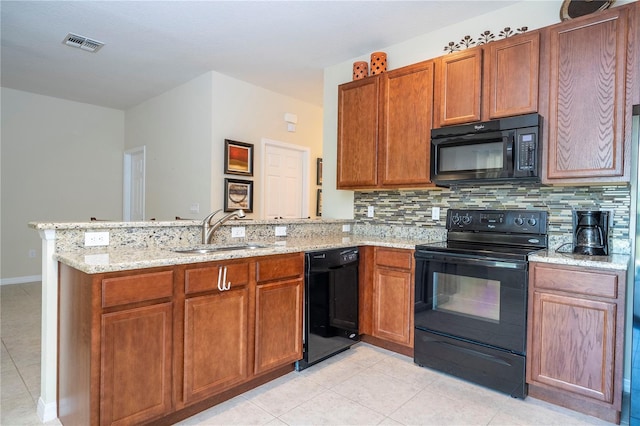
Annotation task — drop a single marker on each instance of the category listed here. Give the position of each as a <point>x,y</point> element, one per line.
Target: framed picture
<point>319,203</point>
<point>238,194</point>
<point>238,158</point>
<point>319,171</point>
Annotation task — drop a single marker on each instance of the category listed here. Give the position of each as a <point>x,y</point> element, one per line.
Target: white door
<point>285,170</point>
<point>134,184</point>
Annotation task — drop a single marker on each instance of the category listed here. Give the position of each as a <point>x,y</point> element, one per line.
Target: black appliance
<point>330,304</point>
<point>591,232</point>
<point>471,296</point>
<point>497,150</point>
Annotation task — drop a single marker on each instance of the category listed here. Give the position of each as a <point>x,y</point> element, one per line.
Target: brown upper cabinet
<point>384,125</point>
<point>511,74</point>
<point>495,80</point>
<point>458,87</point>
<point>405,146</point>
<point>357,163</point>
<point>587,76</point>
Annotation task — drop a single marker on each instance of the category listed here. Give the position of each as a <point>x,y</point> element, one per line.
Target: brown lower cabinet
<point>278,323</point>
<point>216,329</point>
<point>159,344</point>
<point>387,297</point>
<point>575,338</point>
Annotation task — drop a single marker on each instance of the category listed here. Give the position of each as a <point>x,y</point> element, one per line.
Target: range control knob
<point>532,221</point>
<point>455,219</point>
<point>466,219</point>
<point>518,221</point>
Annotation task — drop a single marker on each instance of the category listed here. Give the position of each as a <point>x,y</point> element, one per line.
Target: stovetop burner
<point>510,234</point>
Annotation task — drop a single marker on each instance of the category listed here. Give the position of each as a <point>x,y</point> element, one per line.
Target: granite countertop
<point>102,259</point>
<point>613,261</point>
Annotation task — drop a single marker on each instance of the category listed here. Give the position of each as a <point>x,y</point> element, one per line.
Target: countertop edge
<point>107,224</point>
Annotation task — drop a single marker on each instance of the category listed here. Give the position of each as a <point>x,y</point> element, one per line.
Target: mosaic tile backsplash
<point>413,207</point>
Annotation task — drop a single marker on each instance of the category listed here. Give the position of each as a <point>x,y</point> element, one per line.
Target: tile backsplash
<point>413,207</point>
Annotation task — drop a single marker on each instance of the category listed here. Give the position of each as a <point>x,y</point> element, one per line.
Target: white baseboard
<point>47,412</point>
<point>20,280</point>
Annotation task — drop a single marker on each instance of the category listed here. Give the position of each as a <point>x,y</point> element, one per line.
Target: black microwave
<point>507,149</point>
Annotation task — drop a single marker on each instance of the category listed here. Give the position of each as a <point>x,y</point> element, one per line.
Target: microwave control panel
<point>527,152</point>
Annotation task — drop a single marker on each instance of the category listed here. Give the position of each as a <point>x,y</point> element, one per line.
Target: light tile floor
<point>365,385</point>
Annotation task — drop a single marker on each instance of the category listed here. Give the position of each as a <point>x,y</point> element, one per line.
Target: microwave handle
<point>509,154</point>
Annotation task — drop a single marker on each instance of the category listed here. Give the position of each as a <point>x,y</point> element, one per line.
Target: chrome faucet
<point>208,228</point>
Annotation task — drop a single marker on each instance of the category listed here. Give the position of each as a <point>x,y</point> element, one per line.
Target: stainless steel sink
<point>214,249</point>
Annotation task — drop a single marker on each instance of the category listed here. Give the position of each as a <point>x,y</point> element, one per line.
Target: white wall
<point>61,161</point>
<point>184,132</point>
<point>175,127</point>
<point>247,113</point>
<point>530,13</point>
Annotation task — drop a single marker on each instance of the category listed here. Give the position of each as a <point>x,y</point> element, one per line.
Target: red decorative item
<point>378,63</point>
<point>360,70</point>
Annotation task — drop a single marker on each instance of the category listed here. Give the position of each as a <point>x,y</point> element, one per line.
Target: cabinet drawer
<point>136,288</point>
<point>576,280</point>
<point>279,267</point>
<point>206,278</point>
<point>394,258</point>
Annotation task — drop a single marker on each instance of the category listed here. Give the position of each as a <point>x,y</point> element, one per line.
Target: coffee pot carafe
<point>590,232</point>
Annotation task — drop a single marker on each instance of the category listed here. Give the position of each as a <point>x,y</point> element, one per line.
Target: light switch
<point>370,211</point>
<point>435,213</point>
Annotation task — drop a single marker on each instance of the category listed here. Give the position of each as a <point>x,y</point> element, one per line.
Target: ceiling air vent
<point>81,42</point>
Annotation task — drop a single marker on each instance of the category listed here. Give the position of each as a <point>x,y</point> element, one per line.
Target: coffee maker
<point>591,232</point>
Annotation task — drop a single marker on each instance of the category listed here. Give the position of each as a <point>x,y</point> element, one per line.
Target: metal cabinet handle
<point>225,285</point>
<point>220,279</point>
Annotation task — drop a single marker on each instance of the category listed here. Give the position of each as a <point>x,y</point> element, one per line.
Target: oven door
<point>474,298</point>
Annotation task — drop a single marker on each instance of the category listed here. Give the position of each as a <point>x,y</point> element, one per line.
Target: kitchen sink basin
<point>215,249</point>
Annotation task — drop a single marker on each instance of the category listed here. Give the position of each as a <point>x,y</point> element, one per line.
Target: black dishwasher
<point>330,304</point>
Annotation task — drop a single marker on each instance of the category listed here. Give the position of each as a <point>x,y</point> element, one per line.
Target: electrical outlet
<point>194,208</point>
<point>93,239</point>
<point>237,232</point>
<point>435,213</point>
<point>370,211</point>
<point>346,228</point>
<point>281,231</point>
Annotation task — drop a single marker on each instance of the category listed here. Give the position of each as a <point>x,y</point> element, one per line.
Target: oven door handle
<point>474,261</point>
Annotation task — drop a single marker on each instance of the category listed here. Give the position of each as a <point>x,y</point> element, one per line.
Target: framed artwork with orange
<point>238,158</point>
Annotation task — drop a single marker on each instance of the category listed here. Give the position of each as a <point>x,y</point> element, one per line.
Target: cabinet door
<point>215,342</point>
<point>135,374</point>
<point>458,87</point>
<point>405,145</point>
<point>278,326</point>
<point>510,84</point>
<point>393,305</point>
<point>358,134</point>
<point>572,345</point>
<point>586,84</point>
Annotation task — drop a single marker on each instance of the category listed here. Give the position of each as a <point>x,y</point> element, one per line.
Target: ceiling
<point>153,46</point>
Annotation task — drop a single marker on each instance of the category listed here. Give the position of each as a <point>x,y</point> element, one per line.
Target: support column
<point>47,403</point>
